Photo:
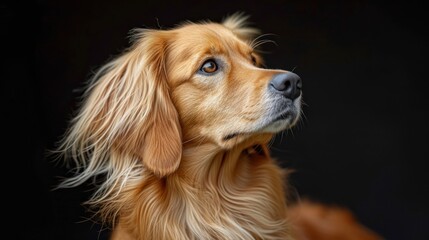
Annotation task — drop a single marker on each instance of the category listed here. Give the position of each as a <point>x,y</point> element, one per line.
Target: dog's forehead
<point>212,37</point>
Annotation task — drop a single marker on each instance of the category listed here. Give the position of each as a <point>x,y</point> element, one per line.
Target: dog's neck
<point>239,189</point>
<point>202,161</point>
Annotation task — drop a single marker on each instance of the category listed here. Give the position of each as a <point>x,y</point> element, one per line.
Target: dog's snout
<point>288,84</point>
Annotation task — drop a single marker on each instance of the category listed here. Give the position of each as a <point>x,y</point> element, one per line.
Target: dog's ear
<point>238,24</point>
<point>128,113</point>
<point>162,146</point>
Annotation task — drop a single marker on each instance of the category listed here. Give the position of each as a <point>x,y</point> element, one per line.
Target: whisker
<point>282,135</point>
<point>256,42</point>
<point>294,68</point>
<point>259,43</point>
<point>271,142</point>
<point>260,36</point>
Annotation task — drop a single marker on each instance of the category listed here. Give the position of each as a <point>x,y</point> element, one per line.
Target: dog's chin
<point>281,122</point>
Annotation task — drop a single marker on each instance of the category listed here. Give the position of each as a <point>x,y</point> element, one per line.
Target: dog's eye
<point>209,66</point>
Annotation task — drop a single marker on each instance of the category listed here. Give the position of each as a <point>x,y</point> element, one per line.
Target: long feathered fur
<point>126,104</point>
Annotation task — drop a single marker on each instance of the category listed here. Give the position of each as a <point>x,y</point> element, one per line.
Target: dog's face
<point>219,89</point>
<point>197,83</point>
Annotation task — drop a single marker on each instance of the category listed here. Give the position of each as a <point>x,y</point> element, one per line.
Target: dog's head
<point>219,88</point>
<point>197,82</point>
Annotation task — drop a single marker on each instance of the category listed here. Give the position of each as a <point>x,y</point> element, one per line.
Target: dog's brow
<point>214,50</point>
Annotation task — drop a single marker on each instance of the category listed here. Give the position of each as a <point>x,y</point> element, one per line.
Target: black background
<point>362,144</point>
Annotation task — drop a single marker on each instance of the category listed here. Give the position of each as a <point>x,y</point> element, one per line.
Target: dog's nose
<point>288,84</point>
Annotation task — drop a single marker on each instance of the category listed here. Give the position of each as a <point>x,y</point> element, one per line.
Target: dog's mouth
<point>287,115</point>
<point>231,136</point>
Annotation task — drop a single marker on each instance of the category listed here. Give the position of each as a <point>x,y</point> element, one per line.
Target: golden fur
<point>183,155</point>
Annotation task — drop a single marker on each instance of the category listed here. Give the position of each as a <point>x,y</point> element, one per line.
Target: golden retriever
<point>177,128</point>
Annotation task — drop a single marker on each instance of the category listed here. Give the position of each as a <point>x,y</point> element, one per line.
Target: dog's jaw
<point>277,120</point>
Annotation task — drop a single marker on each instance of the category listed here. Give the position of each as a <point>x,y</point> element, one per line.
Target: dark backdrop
<point>362,144</point>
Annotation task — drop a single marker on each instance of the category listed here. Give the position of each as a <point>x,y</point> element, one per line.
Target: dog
<point>176,130</point>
